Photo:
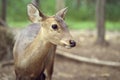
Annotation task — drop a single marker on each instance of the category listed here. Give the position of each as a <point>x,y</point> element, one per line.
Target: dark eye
<point>54,26</point>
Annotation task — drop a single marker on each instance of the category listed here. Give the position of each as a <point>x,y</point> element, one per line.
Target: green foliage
<point>113,12</point>
<point>80,11</point>
<point>16,10</point>
<point>82,14</point>
<point>84,11</point>
<point>73,24</point>
<point>47,6</point>
<point>77,12</point>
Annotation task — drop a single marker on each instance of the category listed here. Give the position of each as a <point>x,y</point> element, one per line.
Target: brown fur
<point>34,49</point>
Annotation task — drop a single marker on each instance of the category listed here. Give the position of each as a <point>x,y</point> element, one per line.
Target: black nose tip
<point>72,43</point>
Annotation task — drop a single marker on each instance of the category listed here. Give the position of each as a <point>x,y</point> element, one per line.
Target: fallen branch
<point>75,57</point>
<point>87,60</point>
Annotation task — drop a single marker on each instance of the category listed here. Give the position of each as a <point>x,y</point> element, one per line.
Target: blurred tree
<point>78,4</point>
<point>3,13</point>
<point>60,4</point>
<point>36,2</point>
<point>6,37</point>
<point>100,20</point>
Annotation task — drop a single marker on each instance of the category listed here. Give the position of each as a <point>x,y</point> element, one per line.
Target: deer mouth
<point>67,46</point>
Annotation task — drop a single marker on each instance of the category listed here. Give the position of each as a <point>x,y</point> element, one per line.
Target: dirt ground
<point>67,69</point>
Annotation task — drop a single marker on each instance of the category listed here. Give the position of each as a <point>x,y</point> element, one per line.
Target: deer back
<point>26,36</point>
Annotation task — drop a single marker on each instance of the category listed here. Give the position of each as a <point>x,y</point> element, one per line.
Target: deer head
<point>53,28</point>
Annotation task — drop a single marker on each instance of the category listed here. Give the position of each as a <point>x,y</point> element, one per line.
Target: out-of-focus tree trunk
<point>60,4</point>
<point>78,4</point>
<point>6,43</point>
<point>6,37</point>
<point>36,2</point>
<point>100,20</point>
<point>3,12</point>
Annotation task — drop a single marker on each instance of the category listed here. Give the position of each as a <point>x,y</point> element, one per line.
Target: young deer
<point>34,49</point>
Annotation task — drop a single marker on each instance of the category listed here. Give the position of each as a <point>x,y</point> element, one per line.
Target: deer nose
<point>72,43</point>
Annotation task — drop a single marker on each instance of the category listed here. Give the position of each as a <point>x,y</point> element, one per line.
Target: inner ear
<point>62,13</point>
<point>35,15</point>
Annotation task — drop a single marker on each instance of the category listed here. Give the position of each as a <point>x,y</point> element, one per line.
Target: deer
<point>35,46</point>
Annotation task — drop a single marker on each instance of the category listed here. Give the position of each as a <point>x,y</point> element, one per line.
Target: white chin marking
<point>68,47</point>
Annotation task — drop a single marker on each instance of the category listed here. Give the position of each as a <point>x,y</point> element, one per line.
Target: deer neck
<point>37,51</point>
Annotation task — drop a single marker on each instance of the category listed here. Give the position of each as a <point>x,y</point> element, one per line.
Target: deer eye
<point>54,26</point>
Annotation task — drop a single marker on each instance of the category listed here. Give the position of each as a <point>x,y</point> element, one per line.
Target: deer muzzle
<point>68,43</point>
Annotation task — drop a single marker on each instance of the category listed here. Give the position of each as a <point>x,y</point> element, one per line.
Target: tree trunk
<point>6,37</point>
<point>3,12</point>
<point>100,20</point>
<point>60,4</point>
<point>78,4</point>
<point>6,43</point>
<point>36,2</point>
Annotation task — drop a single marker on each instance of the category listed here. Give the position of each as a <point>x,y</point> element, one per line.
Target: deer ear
<point>34,14</point>
<point>62,13</point>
